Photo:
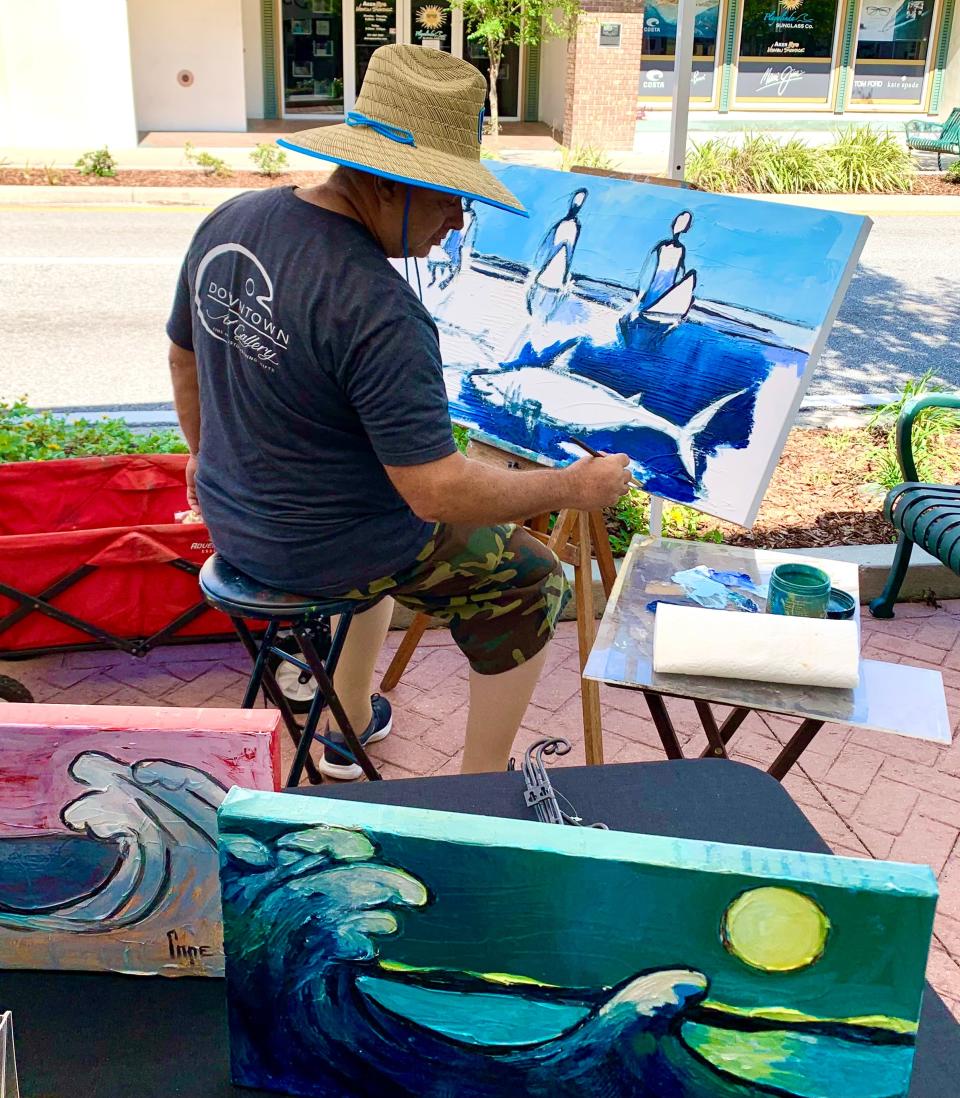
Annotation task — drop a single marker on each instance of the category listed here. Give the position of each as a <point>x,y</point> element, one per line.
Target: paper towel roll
<point>688,640</point>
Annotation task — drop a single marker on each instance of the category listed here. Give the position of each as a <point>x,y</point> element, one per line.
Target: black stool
<point>240,597</point>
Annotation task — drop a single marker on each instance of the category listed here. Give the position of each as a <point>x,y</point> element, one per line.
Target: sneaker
<point>334,765</point>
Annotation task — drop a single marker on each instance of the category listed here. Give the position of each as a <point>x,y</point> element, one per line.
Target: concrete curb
<point>870,204</point>
<point>925,576</point>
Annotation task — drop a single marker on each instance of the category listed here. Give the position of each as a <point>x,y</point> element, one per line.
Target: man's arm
<point>456,489</point>
<point>186,400</point>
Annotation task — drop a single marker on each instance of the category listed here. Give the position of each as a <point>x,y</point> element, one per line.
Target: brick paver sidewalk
<point>869,795</point>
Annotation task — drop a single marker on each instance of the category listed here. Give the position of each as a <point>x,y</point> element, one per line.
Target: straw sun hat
<point>418,119</point>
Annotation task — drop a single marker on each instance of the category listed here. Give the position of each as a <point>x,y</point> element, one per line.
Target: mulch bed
<point>821,494</point>
<point>171,177</point>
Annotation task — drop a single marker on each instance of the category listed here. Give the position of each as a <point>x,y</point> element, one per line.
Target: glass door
<point>508,79</point>
<point>313,53</point>
<point>893,48</point>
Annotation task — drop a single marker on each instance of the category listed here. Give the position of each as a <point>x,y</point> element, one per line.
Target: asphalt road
<point>84,295</point>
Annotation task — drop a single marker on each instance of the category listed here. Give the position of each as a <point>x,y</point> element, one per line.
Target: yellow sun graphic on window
<point>791,5</point>
<point>431,17</point>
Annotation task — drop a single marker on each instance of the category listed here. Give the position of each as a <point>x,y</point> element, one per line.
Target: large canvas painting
<point>108,856</point>
<point>676,326</point>
<point>377,950</point>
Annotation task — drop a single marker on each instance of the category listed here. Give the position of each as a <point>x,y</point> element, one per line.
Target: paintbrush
<point>596,453</point>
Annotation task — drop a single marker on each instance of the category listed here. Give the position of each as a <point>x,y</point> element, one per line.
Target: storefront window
<point>430,25</point>
<point>312,56</point>
<point>786,51</point>
<point>657,71</point>
<point>375,26</point>
<point>893,42</point>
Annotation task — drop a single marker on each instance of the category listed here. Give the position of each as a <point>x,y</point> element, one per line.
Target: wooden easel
<point>577,537</point>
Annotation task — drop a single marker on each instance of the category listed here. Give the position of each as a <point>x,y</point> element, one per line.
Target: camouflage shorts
<point>499,589</point>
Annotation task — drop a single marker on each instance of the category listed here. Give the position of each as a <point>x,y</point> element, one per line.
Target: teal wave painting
<point>375,950</point>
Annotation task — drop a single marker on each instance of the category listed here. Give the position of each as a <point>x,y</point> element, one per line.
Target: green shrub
<point>269,159</point>
<point>931,436</point>
<point>858,160</point>
<point>631,515</point>
<point>461,436</point>
<point>211,165</point>
<point>952,174</point>
<point>98,162</point>
<point>864,160</point>
<point>585,156</point>
<point>26,435</point>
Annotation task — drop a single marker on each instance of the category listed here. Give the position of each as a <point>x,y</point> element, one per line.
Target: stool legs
<point>263,676</point>
<point>326,695</point>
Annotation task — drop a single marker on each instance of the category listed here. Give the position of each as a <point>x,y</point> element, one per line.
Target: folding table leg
<point>794,748</point>
<point>733,720</point>
<point>716,748</point>
<point>661,718</point>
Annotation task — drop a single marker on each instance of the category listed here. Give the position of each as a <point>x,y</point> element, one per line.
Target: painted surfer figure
<point>554,260</point>
<point>668,296</point>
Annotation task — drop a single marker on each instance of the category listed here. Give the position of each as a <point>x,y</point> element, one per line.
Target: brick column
<point>601,93</point>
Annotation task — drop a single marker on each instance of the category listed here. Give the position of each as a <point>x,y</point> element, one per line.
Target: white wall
<point>553,82</point>
<point>252,58</point>
<point>204,37</point>
<point>65,75</point>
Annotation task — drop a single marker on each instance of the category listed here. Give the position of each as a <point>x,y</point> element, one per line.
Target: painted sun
<point>791,5</point>
<point>431,16</point>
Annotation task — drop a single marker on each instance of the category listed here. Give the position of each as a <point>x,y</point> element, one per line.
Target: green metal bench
<point>927,515</point>
<point>938,137</point>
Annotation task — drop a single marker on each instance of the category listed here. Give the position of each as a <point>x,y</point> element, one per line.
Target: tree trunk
<point>494,52</point>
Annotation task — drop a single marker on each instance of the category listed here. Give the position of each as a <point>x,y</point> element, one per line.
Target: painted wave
<point>313,1011</point>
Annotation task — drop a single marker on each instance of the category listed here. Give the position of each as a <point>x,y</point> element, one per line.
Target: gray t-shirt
<point>317,366</point>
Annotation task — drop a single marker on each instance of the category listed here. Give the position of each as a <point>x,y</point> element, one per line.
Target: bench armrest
<point>922,125</point>
<point>905,423</point>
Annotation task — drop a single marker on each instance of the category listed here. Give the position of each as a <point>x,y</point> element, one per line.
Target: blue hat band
<point>394,133</point>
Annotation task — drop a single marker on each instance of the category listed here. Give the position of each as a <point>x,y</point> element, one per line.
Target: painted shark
<point>565,399</point>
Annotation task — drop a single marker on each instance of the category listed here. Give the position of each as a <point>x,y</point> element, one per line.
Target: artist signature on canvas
<point>186,953</point>
<point>781,79</point>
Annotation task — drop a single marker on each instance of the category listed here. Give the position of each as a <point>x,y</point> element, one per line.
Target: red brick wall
<point>601,89</point>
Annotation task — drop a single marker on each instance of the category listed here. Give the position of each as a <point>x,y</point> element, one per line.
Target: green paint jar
<point>799,590</point>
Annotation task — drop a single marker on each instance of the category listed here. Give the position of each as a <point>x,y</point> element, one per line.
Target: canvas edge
<point>798,867</point>
<point>813,360</point>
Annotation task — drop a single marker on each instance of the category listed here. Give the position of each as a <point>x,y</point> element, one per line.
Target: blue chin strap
<point>406,258</point>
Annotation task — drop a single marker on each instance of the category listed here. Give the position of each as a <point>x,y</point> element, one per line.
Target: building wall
<point>601,83</point>
<point>252,57</point>
<point>204,39</point>
<point>50,92</point>
<point>553,82</point>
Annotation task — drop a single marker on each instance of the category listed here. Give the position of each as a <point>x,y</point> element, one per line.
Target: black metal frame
<point>313,635</point>
<point>27,604</point>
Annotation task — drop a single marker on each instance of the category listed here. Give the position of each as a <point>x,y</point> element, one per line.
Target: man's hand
<point>192,501</point>
<point>598,482</point>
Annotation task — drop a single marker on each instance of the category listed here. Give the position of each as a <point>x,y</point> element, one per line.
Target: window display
<point>430,25</point>
<point>786,51</point>
<point>893,43</point>
<point>657,75</point>
<point>312,57</point>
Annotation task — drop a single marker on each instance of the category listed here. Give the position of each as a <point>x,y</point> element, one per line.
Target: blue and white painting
<point>677,326</point>
<point>374,950</point>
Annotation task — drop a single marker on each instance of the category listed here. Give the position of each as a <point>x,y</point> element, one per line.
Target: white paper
<point>724,644</point>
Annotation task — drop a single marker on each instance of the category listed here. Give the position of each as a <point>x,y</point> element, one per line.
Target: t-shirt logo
<point>234,299</point>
